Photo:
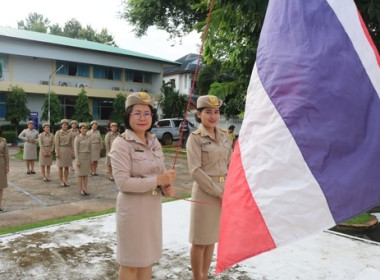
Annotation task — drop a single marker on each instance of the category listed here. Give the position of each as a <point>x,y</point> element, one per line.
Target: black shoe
<point>66,185</point>
<point>32,172</point>
<point>82,194</point>
<point>86,194</point>
<point>28,172</point>
<point>2,210</point>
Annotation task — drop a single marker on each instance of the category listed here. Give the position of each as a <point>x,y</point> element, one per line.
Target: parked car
<point>167,130</point>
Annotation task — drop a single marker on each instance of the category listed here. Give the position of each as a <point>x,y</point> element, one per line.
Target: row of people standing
<point>63,144</point>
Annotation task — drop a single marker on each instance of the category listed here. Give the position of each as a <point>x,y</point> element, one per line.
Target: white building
<point>181,76</point>
<point>29,58</point>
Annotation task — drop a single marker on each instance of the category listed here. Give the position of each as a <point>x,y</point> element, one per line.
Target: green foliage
<point>177,17</point>
<point>82,108</point>
<point>10,136</point>
<point>72,29</point>
<point>173,104</point>
<point>55,110</point>
<point>232,37</point>
<point>34,22</point>
<point>118,110</point>
<point>360,219</point>
<point>16,106</point>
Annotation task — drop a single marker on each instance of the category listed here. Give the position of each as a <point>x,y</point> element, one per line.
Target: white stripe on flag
<point>290,199</point>
<point>354,30</point>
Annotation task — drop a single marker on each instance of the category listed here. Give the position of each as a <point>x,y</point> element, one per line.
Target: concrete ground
<point>29,199</point>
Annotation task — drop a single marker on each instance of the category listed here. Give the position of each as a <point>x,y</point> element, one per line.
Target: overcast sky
<point>100,14</point>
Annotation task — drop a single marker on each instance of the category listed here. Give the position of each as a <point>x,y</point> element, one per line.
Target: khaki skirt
<point>65,157</point>
<point>3,174</point>
<point>204,218</point>
<point>138,229</point>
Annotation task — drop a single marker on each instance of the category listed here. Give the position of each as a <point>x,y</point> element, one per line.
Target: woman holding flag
<point>208,154</point>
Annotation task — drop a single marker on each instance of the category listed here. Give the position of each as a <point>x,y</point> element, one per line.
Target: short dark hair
<point>197,119</point>
<point>231,126</point>
<point>128,111</point>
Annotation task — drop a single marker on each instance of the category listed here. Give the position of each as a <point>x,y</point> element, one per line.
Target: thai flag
<point>308,153</point>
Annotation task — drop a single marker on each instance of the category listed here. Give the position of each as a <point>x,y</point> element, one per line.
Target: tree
<point>55,109</point>
<point>16,106</point>
<point>173,104</point>
<point>118,109</point>
<point>34,22</point>
<point>82,109</point>
<point>71,29</point>
<point>233,32</point>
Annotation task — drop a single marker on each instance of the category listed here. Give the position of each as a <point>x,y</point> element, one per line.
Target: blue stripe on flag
<point>315,79</point>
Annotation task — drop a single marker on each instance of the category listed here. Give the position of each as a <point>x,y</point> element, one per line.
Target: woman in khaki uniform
<point>82,151</point>
<point>4,166</point>
<point>138,167</point>
<point>208,153</point>
<point>46,140</point>
<point>74,133</point>
<point>96,146</point>
<point>110,137</point>
<point>30,137</point>
<point>63,152</point>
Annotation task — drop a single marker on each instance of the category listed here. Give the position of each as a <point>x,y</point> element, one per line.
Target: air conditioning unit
<point>80,85</point>
<point>44,83</point>
<point>63,84</point>
<point>115,88</point>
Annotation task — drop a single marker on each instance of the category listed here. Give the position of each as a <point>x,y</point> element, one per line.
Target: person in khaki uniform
<point>82,151</point>
<point>30,137</point>
<point>4,166</point>
<point>208,154</point>
<point>74,133</point>
<point>138,167</point>
<point>110,137</point>
<point>46,140</point>
<point>63,152</point>
<point>96,146</point>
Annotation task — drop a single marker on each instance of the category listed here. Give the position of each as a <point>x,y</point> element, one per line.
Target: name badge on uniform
<point>137,149</point>
<point>206,143</point>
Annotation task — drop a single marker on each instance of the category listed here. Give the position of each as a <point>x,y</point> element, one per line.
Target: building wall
<point>31,63</point>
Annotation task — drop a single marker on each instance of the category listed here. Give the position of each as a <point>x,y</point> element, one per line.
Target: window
<point>2,105</point>
<point>73,69</point>
<point>67,106</point>
<point>4,60</point>
<point>102,108</point>
<point>109,73</point>
<point>138,76</point>
<point>172,81</point>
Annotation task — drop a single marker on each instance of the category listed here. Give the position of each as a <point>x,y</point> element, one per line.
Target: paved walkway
<point>29,199</point>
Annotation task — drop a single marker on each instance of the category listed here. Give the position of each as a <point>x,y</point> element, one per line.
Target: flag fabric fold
<point>308,152</point>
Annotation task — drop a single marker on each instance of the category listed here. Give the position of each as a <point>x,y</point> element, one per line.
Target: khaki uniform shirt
<point>110,137</point>
<point>30,149</point>
<point>208,158</point>
<point>4,163</point>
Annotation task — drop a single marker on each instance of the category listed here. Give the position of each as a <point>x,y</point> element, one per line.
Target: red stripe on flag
<point>369,38</point>
<point>243,232</point>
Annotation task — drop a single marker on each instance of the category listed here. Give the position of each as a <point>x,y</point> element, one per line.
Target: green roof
<point>75,43</point>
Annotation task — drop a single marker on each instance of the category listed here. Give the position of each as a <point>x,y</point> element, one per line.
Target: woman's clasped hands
<point>166,180</point>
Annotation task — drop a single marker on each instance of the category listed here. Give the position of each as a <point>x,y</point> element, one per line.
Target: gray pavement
<point>29,199</point>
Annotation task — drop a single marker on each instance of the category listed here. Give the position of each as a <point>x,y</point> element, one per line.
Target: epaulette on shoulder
<point>2,139</point>
<point>125,136</point>
<point>153,135</point>
<point>223,130</point>
<point>198,131</point>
